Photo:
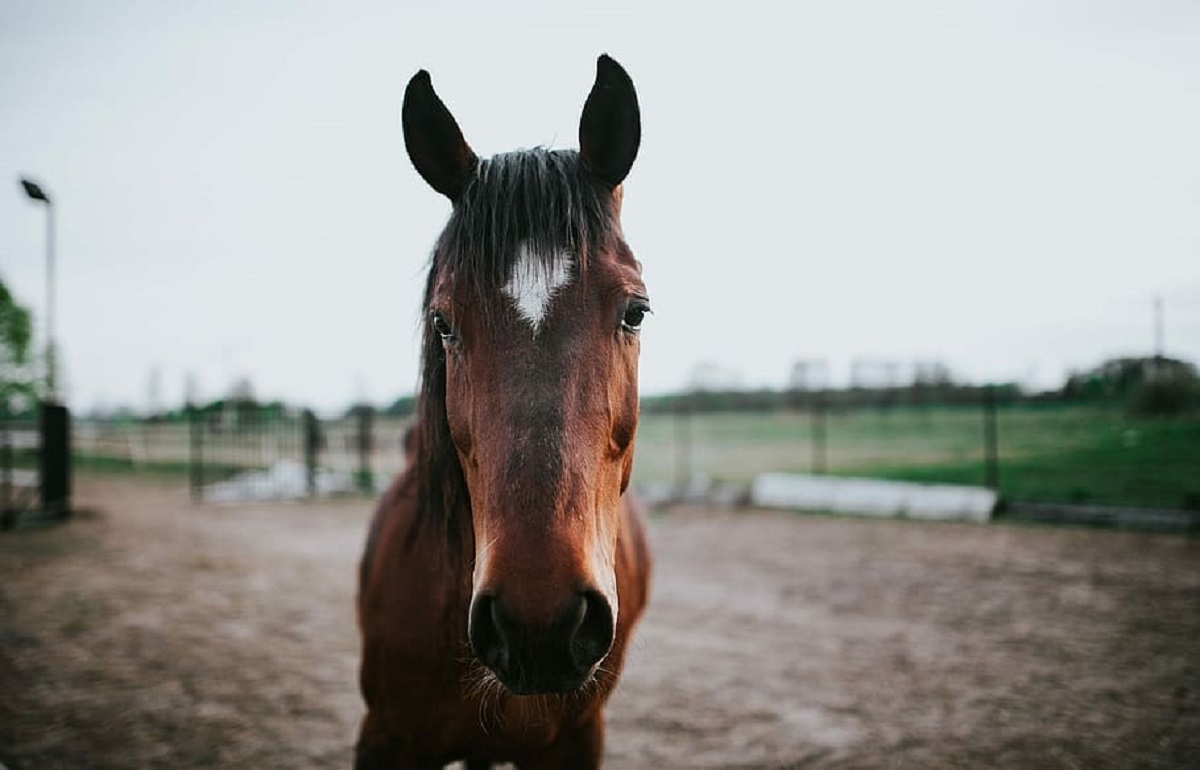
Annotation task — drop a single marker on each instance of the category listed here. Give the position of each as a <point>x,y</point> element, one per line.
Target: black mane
<point>540,198</point>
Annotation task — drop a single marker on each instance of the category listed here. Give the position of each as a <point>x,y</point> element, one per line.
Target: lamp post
<point>35,192</point>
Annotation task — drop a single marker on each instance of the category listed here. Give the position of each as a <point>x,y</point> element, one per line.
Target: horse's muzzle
<point>557,657</point>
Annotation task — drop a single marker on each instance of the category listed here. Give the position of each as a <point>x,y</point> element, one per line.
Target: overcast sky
<point>1005,187</point>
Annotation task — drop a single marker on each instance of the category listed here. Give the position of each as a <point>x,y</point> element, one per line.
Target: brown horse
<point>506,567</point>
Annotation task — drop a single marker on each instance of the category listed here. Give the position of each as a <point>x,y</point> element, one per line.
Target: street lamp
<point>35,192</point>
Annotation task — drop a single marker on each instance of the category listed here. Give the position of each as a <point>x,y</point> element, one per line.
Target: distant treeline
<point>1149,385</point>
<point>770,400</point>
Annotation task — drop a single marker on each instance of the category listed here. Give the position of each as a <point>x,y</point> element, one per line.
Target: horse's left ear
<point>611,127</point>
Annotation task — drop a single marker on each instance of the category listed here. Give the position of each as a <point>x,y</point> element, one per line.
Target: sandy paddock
<point>149,632</point>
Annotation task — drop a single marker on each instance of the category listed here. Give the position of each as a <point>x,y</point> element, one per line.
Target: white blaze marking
<point>532,285</point>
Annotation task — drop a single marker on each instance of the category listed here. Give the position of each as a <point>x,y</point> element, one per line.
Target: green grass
<point>1047,452</point>
<point>123,465</point>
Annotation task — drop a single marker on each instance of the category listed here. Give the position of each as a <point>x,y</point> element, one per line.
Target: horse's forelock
<point>539,202</point>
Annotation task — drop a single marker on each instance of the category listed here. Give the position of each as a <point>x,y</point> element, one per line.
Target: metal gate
<point>245,455</point>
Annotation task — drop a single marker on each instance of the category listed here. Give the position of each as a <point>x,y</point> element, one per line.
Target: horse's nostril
<point>593,632</point>
<point>485,629</point>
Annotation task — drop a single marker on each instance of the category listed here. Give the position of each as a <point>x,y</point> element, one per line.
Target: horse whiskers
<point>481,684</point>
<point>497,706</point>
<point>591,687</point>
<point>497,694</point>
<point>479,679</point>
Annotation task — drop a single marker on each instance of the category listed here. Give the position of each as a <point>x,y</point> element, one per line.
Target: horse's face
<point>542,407</point>
<point>541,402</point>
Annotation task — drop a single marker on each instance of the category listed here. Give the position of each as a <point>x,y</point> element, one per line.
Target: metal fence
<point>1071,452</point>
<point>290,455</point>
<point>1057,451</point>
<point>243,455</point>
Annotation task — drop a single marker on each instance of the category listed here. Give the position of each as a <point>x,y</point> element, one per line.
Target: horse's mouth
<point>540,672</point>
<point>562,683</point>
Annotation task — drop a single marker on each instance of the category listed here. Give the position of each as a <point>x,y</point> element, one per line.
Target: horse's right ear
<point>610,129</point>
<point>434,141</point>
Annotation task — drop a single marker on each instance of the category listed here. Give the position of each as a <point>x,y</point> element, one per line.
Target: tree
<point>1149,385</point>
<point>17,389</point>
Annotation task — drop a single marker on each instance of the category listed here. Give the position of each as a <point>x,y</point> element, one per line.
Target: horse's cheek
<point>623,399</point>
<point>458,401</point>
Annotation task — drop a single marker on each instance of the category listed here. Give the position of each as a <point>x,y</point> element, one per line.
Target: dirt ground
<point>149,632</point>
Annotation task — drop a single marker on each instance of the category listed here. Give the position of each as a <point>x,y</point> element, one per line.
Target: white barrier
<point>22,477</point>
<point>285,480</point>
<point>24,439</point>
<point>873,497</point>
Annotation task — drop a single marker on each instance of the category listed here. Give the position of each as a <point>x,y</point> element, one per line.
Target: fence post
<point>991,453</point>
<point>820,460</point>
<point>55,482</point>
<point>8,517</point>
<point>312,440</point>
<point>196,453</point>
<point>366,419</point>
<point>683,444</point>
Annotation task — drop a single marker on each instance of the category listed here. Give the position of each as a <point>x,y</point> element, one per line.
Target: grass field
<point>1047,452</point>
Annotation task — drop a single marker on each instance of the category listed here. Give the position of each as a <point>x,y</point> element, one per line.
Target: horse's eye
<point>635,313</point>
<point>442,327</point>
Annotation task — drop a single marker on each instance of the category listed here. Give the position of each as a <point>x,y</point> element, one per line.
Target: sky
<point>1004,187</point>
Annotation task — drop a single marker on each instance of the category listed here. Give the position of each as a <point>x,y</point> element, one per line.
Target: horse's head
<point>533,308</point>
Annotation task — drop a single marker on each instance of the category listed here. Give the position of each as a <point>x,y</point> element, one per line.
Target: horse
<point>506,566</point>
